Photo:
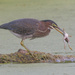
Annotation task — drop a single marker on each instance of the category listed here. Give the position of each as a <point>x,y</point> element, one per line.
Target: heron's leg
<point>22,44</point>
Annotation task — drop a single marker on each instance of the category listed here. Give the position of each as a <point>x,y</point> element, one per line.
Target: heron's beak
<point>59,30</point>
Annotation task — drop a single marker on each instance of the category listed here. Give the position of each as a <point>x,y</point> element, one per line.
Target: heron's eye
<point>54,25</point>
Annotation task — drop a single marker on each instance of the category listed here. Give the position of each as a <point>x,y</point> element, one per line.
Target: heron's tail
<point>1,27</point>
<point>4,26</point>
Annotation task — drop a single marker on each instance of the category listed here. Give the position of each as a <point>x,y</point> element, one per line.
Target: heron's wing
<point>22,26</point>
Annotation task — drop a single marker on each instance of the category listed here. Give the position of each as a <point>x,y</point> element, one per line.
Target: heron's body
<point>27,28</point>
<point>30,28</point>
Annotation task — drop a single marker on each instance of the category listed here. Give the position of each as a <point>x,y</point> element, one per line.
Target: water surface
<point>38,69</point>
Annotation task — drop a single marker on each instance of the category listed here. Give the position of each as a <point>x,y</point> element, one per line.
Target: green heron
<point>31,28</point>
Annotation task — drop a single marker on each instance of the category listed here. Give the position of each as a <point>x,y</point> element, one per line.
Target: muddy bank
<point>22,56</point>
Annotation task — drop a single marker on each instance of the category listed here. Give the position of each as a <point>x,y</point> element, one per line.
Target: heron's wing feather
<point>22,26</point>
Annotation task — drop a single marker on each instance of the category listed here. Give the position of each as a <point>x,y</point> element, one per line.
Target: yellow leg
<point>22,44</point>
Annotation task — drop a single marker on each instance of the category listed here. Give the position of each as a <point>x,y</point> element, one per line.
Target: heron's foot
<point>32,55</point>
<point>22,44</point>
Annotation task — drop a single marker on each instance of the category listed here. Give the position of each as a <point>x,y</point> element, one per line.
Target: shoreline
<point>22,56</point>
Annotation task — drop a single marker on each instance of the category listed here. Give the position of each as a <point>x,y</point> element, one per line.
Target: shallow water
<point>38,69</point>
<point>60,11</point>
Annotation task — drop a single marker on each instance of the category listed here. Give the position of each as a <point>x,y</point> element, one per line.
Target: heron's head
<point>53,25</point>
